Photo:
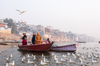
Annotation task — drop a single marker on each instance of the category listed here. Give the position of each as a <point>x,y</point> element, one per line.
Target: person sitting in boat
<point>33,38</point>
<point>48,41</point>
<point>24,42</point>
<point>24,36</point>
<point>38,39</point>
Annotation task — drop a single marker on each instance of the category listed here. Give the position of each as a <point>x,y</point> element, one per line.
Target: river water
<point>17,55</point>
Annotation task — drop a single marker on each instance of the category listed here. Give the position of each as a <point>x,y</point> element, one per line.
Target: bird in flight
<point>21,12</point>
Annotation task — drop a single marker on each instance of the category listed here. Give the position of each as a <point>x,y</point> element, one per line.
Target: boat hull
<point>71,47</point>
<point>37,47</point>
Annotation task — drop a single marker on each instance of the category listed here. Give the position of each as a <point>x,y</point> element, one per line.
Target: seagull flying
<point>21,12</point>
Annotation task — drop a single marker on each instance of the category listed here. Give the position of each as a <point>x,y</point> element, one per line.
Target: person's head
<point>33,33</point>
<point>38,33</point>
<point>47,39</point>
<point>24,33</point>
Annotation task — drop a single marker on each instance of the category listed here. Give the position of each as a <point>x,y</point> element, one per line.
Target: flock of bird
<point>88,56</point>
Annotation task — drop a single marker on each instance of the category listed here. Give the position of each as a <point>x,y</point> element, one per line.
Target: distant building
<point>41,29</point>
<point>20,24</point>
<point>5,32</point>
<point>76,37</point>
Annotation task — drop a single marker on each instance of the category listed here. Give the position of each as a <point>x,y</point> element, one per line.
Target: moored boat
<point>36,47</point>
<point>71,47</point>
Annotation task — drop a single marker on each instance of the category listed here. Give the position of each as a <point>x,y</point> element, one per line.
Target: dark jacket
<point>33,39</point>
<point>24,37</point>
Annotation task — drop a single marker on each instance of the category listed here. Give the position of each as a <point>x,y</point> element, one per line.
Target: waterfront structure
<point>5,32</point>
<point>41,29</point>
<point>20,24</point>
<point>76,37</point>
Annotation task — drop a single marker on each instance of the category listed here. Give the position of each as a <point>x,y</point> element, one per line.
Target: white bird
<point>35,65</point>
<point>28,56</point>
<point>43,63</point>
<point>7,59</point>
<point>58,61</point>
<point>10,56</point>
<point>94,58</point>
<point>32,55</point>
<point>53,54</point>
<point>89,56</point>
<point>23,57</point>
<point>21,12</point>
<point>55,58</point>
<point>42,55</point>
<point>70,61</point>
<point>23,60</point>
<point>45,60</point>
<point>63,60</point>
<point>83,64</point>
<point>64,56</point>
<point>68,53</point>
<point>12,64</point>
<point>73,54</point>
<point>7,64</point>
<point>74,57</point>
<point>34,58</point>
<point>30,62</point>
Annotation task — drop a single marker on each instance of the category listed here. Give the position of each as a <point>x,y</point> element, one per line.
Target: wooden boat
<point>37,47</point>
<point>80,41</point>
<point>71,47</point>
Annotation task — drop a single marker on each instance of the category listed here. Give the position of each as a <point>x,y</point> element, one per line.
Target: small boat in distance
<point>36,47</point>
<point>81,41</point>
<point>71,47</point>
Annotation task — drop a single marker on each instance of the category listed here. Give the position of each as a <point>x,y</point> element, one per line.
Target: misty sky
<point>78,16</point>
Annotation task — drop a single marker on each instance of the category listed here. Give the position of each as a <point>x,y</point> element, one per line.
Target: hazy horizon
<point>78,16</point>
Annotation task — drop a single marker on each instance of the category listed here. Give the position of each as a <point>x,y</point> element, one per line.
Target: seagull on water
<point>63,60</point>
<point>12,64</point>
<point>64,56</point>
<point>70,61</point>
<point>58,61</point>
<point>21,12</point>
<point>42,55</point>
<point>23,60</point>
<point>43,63</point>
<point>45,60</point>
<point>28,56</point>
<point>34,57</point>
<point>10,56</point>
<point>8,60</point>
<point>30,62</point>
<point>7,64</point>
<point>23,57</point>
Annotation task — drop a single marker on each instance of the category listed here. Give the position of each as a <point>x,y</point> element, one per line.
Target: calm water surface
<point>17,55</point>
